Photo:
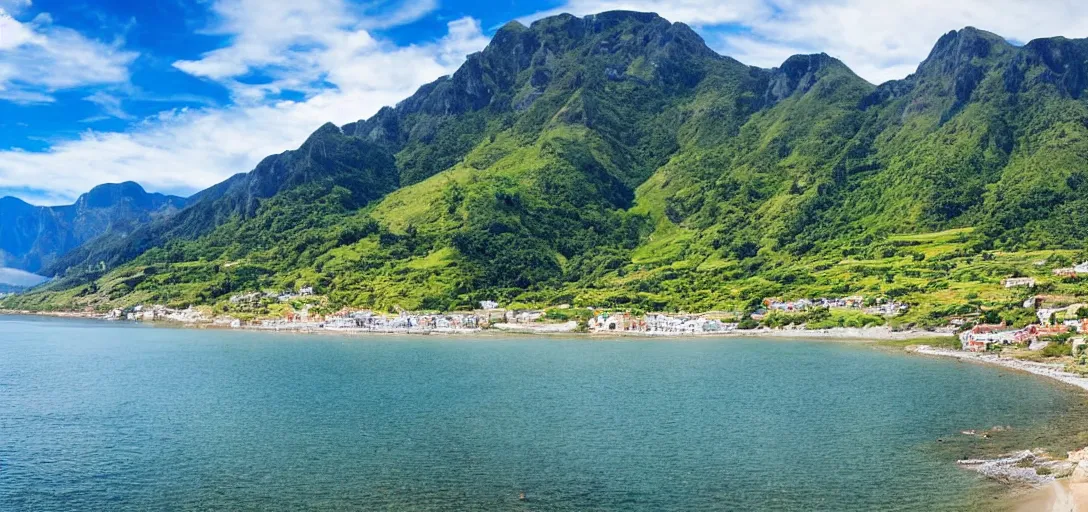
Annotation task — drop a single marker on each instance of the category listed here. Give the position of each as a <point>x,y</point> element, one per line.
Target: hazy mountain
<point>32,237</point>
<point>12,279</point>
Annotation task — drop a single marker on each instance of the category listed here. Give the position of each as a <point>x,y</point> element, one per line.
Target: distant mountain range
<point>12,279</point>
<point>33,237</point>
<point>616,160</point>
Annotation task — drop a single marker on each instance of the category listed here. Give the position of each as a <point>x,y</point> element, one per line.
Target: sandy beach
<point>1058,496</point>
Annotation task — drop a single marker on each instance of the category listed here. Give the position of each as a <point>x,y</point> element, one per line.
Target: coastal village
<point>298,313</point>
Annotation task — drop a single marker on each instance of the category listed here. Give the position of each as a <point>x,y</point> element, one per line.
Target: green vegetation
<point>616,161</point>
<point>946,342</point>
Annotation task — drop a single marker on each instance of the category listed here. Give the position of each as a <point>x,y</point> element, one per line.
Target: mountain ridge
<point>31,237</point>
<point>616,159</point>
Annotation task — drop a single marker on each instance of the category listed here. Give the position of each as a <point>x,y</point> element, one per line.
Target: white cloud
<point>879,39</point>
<point>14,6</point>
<point>295,45</point>
<point>111,105</point>
<point>188,149</point>
<point>38,58</point>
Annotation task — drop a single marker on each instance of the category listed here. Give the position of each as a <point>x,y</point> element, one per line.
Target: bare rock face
<point>1080,473</point>
<point>1078,455</point>
<point>797,75</point>
<point>1022,468</point>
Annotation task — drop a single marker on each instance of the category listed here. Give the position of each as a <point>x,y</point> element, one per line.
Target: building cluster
<point>879,306</point>
<point>157,312</point>
<point>254,299</point>
<point>1076,271</point>
<point>405,322</point>
<point>984,336</point>
<point>657,323</point>
<point>1053,320</point>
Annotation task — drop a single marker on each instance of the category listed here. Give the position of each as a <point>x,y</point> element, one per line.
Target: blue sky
<point>179,94</point>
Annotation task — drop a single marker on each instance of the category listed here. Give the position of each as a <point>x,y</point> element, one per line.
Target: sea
<point>97,415</point>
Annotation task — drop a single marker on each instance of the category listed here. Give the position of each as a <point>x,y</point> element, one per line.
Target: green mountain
<point>33,237</point>
<point>615,160</point>
<point>329,168</point>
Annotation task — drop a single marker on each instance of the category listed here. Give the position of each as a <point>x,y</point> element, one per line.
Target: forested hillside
<point>615,160</point>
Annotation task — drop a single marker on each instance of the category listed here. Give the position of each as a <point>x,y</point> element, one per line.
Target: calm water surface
<point>100,416</point>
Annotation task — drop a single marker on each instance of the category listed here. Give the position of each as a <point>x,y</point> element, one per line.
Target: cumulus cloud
<point>38,58</point>
<point>14,6</point>
<point>185,150</point>
<point>296,46</point>
<point>111,104</point>
<point>879,39</point>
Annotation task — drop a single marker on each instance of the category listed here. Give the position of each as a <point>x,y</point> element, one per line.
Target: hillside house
<point>1047,330</point>
<point>1078,325</point>
<point>981,337</point>
<point>523,317</point>
<point>1045,314</point>
<point>1065,272</point>
<point>1072,272</point>
<point>1014,282</point>
<point>613,322</point>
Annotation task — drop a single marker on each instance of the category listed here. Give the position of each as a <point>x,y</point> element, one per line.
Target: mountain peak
<point>799,73</point>
<point>12,201</point>
<point>1061,61</point>
<point>960,47</point>
<point>513,26</point>
<point>610,19</point>
<point>813,62</point>
<point>109,194</point>
<point>326,129</point>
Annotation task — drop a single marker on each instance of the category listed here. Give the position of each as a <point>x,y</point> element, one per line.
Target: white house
<point>1044,314</point>
<point>1013,282</point>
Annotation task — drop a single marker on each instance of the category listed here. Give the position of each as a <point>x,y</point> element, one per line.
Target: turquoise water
<point>101,416</point>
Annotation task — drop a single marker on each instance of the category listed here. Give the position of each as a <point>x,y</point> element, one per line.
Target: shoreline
<point>1066,494</point>
<point>851,334</point>
<point>1049,370</point>
<point>1062,495</point>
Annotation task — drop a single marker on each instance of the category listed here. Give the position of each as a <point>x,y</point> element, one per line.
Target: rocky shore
<point>1025,467</point>
<point>1061,484</point>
